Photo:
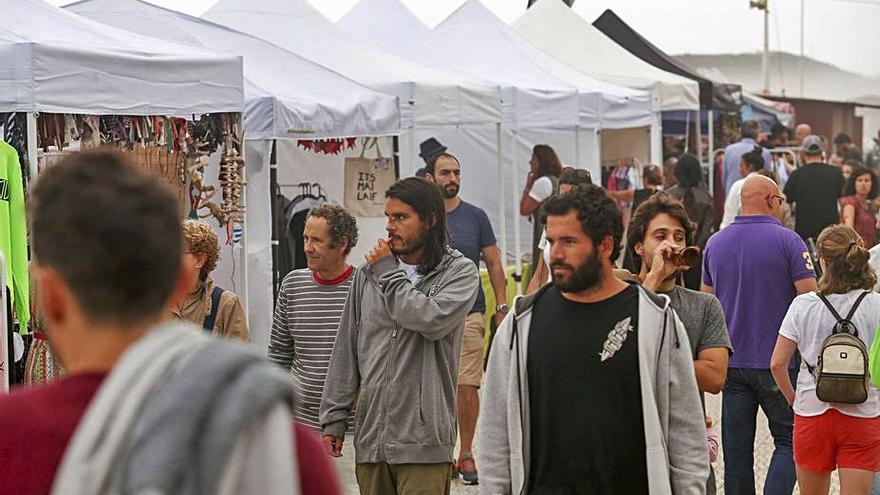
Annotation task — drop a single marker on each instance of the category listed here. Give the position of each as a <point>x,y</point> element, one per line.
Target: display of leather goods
<point>366,180</point>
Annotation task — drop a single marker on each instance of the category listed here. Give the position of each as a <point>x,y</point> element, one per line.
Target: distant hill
<point>822,81</point>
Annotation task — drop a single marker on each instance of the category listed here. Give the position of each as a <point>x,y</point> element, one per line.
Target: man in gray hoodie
<point>590,386</point>
<point>398,349</point>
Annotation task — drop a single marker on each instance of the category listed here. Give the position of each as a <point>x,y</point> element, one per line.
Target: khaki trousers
<point>403,479</point>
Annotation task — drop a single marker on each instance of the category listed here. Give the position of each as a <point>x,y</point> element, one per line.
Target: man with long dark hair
<point>590,386</point>
<point>398,350</point>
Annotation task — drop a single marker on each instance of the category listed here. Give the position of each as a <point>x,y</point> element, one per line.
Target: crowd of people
<point>595,379</point>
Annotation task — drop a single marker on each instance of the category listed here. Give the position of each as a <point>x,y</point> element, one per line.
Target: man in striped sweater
<point>309,307</point>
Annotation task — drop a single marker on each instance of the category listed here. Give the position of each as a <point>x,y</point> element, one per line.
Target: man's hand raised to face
<point>381,250</point>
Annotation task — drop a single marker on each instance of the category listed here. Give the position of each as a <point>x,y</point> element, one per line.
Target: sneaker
<point>468,469</point>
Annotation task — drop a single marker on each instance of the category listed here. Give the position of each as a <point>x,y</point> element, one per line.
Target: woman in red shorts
<point>829,436</point>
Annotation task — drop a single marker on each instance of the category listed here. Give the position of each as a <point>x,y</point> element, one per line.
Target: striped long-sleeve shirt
<point>303,333</point>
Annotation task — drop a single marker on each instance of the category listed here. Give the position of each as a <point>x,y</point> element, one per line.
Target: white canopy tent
<point>559,31</point>
<point>55,62</point>
<point>317,103</point>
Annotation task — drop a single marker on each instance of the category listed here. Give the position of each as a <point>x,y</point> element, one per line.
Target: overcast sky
<point>842,32</point>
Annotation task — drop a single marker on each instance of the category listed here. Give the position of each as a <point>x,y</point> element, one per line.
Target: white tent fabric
<point>561,32</point>
<point>474,39</point>
<point>427,97</point>
<point>530,96</point>
<point>538,90</point>
<point>316,103</point>
<point>54,61</point>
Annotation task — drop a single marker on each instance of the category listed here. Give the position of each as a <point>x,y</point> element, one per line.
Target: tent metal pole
<point>502,198</point>
<point>578,163</point>
<point>243,245</point>
<point>699,135</point>
<point>517,239</point>
<point>32,147</point>
<point>656,139</point>
<point>711,123</point>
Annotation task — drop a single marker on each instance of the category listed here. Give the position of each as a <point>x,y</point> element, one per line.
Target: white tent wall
<point>297,165</point>
<point>259,241</point>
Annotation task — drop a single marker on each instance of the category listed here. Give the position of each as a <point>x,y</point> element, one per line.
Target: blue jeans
<point>745,390</point>
<point>876,489</point>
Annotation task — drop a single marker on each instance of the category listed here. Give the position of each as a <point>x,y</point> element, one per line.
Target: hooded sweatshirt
<point>398,352</point>
<point>675,432</point>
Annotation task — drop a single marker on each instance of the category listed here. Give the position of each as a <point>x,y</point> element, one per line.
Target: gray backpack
<point>841,373</point>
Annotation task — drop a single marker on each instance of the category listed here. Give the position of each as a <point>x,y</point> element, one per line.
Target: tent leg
<point>711,123</point>
<point>32,147</point>
<point>243,245</point>
<point>577,148</point>
<point>502,199</point>
<point>699,134</point>
<point>517,239</point>
<point>657,140</point>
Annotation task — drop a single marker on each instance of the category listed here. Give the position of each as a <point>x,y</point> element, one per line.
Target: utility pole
<point>801,60</point>
<point>765,73</point>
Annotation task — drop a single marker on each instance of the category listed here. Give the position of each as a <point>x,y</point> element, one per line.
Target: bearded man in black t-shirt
<point>590,386</point>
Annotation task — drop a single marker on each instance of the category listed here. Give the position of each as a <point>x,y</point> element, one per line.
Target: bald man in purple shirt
<point>756,267</point>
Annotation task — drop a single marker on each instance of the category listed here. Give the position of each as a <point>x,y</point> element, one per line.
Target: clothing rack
<point>312,189</point>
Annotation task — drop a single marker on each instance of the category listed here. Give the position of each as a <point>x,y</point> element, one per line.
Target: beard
<point>450,191</point>
<point>584,277</point>
<point>409,247</point>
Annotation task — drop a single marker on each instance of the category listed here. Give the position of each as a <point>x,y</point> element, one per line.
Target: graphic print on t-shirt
<point>616,337</point>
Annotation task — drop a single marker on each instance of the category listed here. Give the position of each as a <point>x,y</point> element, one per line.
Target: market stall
<point>317,104</point>
<point>72,83</point>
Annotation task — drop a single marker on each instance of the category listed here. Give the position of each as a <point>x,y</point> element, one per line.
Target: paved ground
<point>763,450</point>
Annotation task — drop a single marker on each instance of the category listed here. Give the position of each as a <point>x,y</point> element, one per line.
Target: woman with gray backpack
<point>837,408</point>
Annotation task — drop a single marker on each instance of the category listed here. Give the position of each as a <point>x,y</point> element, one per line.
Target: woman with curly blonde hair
<point>216,310</point>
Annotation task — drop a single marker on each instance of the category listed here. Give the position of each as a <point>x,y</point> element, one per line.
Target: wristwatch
<point>502,308</point>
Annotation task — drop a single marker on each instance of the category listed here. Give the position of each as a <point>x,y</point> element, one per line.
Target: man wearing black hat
<point>428,150</point>
<point>814,189</point>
